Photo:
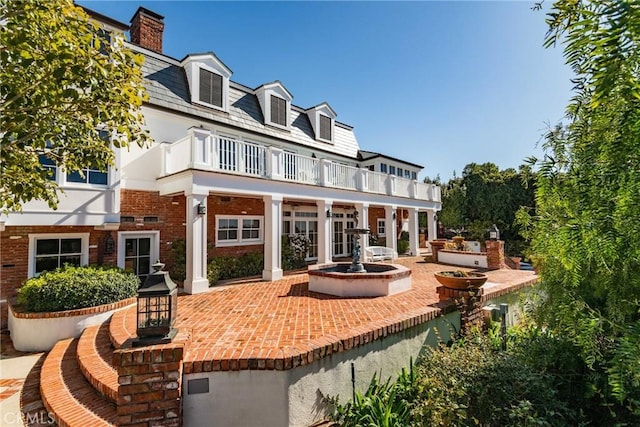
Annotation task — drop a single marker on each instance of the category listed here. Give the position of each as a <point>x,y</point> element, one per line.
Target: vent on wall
<point>127,219</point>
<point>150,219</point>
<point>225,199</point>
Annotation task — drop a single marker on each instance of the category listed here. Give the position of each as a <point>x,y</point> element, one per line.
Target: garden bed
<point>40,331</point>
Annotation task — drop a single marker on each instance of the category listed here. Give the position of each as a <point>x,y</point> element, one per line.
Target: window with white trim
<point>414,175</point>
<point>383,167</point>
<point>381,227</point>
<point>238,230</point>
<point>392,170</point>
<point>50,251</point>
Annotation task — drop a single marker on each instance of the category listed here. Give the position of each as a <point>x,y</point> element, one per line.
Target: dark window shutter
<point>325,128</point>
<point>210,88</point>
<point>278,111</point>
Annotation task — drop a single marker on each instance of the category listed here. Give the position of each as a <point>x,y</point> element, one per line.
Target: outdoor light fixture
<point>494,233</point>
<point>328,213</point>
<point>157,308</point>
<point>394,216</point>
<point>202,208</point>
<point>108,244</point>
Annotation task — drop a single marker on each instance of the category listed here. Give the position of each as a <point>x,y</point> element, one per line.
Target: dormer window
<point>322,121</point>
<point>210,88</point>
<point>275,102</point>
<point>208,80</point>
<point>325,127</point>
<point>278,111</point>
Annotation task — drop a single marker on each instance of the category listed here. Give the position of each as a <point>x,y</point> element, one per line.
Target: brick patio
<point>280,325</point>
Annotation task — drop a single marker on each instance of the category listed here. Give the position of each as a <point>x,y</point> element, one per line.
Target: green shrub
<point>403,243</point>
<point>178,267</point>
<point>70,287</point>
<point>294,251</point>
<point>232,267</point>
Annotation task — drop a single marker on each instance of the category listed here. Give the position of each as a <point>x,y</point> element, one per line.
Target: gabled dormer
<point>322,119</point>
<point>208,79</point>
<point>275,101</point>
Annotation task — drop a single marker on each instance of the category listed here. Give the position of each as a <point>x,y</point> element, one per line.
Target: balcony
<point>202,150</point>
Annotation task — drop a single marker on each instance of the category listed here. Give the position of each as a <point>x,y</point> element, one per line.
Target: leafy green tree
<point>61,83</point>
<point>585,232</point>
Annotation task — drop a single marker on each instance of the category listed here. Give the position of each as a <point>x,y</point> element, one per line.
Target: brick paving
<point>281,324</point>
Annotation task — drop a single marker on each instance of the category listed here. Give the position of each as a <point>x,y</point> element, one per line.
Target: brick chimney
<point>146,29</point>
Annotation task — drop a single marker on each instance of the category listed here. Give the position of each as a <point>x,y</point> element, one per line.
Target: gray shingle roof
<point>168,88</point>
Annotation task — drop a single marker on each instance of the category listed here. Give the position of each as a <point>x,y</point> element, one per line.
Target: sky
<point>441,84</point>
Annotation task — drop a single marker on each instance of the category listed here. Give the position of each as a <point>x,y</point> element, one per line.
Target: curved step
<point>94,357</point>
<point>67,395</point>
<point>119,326</point>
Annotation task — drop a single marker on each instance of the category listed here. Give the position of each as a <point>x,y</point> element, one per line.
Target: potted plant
<point>461,280</point>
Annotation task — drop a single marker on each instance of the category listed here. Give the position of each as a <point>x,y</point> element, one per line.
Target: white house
<point>231,170</point>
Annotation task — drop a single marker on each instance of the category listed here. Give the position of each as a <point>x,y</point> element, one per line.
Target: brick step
<point>67,395</point>
<point>34,414</point>
<point>121,321</point>
<point>94,357</point>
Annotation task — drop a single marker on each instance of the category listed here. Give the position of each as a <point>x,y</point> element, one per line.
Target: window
<point>414,176</point>
<point>210,88</point>
<point>371,168</point>
<point>89,176</point>
<point>399,172</point>
<point>381,227</point>
<point>392,170</point>
<point>50,251</point>
<point>238,230</point>
<point>383,167</point>
<point>407,174</point>
<point>250,229</point>
<point>278,111</point>
<point>49,166</point>
<point>325,127</point>
<point>137,251</point>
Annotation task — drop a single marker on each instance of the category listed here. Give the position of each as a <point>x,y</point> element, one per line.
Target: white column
<point>432,226</point>
<point>363,218</point>
<point>196,242</point>
<point>391,232</point>
<point>414,232</point>
<point>272,235</point>
<point>324,231</point>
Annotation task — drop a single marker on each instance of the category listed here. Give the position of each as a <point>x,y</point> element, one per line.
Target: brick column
<point>468,304</point>
<point>150,385</point>
<point>436,246</point>
<point>495,255</point>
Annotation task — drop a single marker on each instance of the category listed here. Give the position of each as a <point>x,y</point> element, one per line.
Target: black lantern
<point>157,308</point>
<point>494,233</point>
<point>109,244</point>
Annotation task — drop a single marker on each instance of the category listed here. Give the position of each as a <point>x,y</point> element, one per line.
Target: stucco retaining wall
<point>40,331</point>
<point>295,397</point>
<point>464,259</point>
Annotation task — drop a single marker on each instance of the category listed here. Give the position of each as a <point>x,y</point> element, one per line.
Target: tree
<point>62,86</point>
<point>585,231</point>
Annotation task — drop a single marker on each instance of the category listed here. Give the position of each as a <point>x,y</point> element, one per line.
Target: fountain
<point>357,278</point>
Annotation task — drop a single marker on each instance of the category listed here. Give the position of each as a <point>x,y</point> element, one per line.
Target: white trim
<point>155,244</point>
<point>84,249</point>
<point>239,241</point>
<point>384,225</point>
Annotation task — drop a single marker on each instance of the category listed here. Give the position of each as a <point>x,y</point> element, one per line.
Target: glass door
<point>137,256</point>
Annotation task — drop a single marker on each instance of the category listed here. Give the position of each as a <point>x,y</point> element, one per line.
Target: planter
<point>468,281</point>
<point>40,331</point>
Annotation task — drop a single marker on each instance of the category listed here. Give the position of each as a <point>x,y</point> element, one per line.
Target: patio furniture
<point>379,253</point>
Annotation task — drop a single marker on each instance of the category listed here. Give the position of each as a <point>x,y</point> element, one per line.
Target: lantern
<point>494,233</point>
<point>157,308</point>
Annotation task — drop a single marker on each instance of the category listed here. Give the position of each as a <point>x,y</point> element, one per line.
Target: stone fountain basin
<point>379,280</point>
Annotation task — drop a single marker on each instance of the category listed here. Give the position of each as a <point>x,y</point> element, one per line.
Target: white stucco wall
<point>42,334</point>
<point>467,259</point>
<point>296,397</point>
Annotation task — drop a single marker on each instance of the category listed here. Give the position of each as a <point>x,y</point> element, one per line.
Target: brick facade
<point>220,205</point>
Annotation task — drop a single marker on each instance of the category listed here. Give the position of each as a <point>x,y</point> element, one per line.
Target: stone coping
<point>456,251</point>
<point>19,311</point>
<point>398,271</point>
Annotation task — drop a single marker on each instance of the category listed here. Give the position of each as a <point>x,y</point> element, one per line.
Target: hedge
<point>70,288</point>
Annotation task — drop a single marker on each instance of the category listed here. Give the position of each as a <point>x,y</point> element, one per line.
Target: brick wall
<point>14,257</point>
<point>468,304</point>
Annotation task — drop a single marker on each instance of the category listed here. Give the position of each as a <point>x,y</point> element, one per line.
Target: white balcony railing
<point>202,150</point>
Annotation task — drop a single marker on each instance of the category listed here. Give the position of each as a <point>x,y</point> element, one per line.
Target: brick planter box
<point>40,331</point>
